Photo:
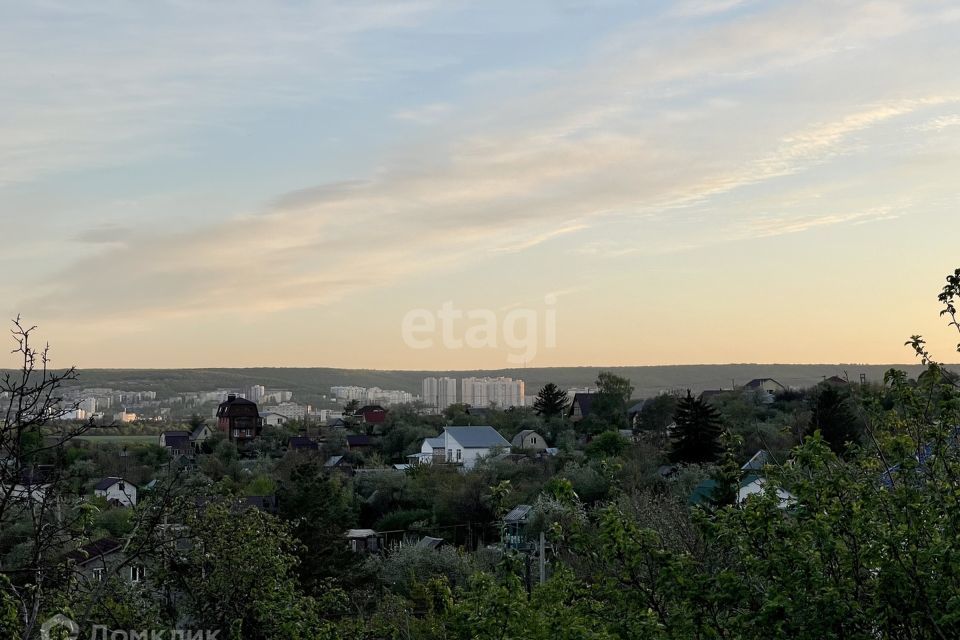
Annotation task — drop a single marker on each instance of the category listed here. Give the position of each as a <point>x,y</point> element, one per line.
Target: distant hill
<point>310,384</point>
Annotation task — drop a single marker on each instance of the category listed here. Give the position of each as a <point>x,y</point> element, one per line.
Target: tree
<point>33,477</point>
<point>610,405</point>
<point>831,415</point>
<point>696,436</point>
<point>319,512</point>
<point>237,576</point>
<point>657,413</point>
<point>551,401</point>
<point>607,444</point>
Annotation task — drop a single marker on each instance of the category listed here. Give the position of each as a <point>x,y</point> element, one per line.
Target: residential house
<point>96,560</point>
<point>200,435</point>
<point>31,484</point>
<point>467,445</point>
<point>338,463</point>
<point>302,443</point>
<point>752,483</point>
<point>117,491</point>
<point>359,442</point>
<point>710,394</point>
<point>756,462</point>
<point>273,419</point>
<point>581,406</point>
<point>768,385</point>
<point>528,440</point>
<point>239,419</point>
<point>267,504</point>
<point>431,450</point>
<point>177,443</point>
<point>371,414</point>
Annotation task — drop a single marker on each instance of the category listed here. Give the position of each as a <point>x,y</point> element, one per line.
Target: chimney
<point>231,397</point>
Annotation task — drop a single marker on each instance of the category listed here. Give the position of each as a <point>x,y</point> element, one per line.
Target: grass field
<point>122,439</point>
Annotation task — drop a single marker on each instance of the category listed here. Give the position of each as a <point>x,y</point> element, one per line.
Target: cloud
<point>86,86</point>
<point>104,233</point>
<point>426,114</point>
<point>596,143</point>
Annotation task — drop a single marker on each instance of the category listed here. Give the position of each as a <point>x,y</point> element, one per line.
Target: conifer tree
<point>696,436</point>
<point>551,401</point>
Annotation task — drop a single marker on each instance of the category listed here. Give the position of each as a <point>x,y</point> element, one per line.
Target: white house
<point>529,440</point>
<point>461,445</point>
<point>753,485</point>
<point>200,435</point>
<point>466,445</point>
<point>429,448</point>
<point>117,491</point>
<point>273,419</point>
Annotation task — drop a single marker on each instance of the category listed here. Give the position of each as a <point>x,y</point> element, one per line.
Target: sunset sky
<point>244,183</point>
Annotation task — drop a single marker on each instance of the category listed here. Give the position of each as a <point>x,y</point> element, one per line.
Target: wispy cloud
<point>644,131</point>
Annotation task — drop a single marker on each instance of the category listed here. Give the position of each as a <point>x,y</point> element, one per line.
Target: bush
<point>406,566</point>
<point>401,519</point>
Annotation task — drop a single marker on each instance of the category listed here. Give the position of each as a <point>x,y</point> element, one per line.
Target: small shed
<point>427,542</point>
<point>364,540</point>
<point>515,526</point>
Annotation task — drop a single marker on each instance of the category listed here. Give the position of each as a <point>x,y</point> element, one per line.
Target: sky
<point>607,182</point>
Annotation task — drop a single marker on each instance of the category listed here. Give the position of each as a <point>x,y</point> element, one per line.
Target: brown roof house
<point>581,406</point>
<point>239,419</point>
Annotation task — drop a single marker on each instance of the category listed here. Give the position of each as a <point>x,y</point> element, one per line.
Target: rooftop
<point>477,437</point>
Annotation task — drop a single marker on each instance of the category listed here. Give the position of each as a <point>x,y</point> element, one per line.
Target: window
<point>449,454</point>
<point>459,455</point>
<point>98,574</point>
<point>121,486</point>
<point>137,573</point>
<point>534,440</point>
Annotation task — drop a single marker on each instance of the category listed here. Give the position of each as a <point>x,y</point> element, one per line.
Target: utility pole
<point>543,559</point>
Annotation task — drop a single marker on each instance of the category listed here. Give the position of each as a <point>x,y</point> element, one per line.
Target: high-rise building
<point>439,392</point>
<point>499,392</point>
<point>257,392</point>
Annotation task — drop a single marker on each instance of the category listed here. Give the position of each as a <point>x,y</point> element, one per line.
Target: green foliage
<point>657,413</point>
<point>610,405</point>
<point>237,576</point>
<point>696,436</point>
<point>402,519</point>
<point>551,401</point>
<point>403,568</point>
<point>319,511</point>
<point>831,415</point>
<point>10,624</point>
<point>608,444</point>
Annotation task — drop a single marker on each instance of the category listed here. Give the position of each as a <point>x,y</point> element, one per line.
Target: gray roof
<point>436,443</point>
<point>106,483</point>
<point>477,437</point>
<point>756,383</point>
<point>518,439</point>
<point>333,461</point>
<point>757,462</point>
<point>519,513</point>
<point>428,542</point>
